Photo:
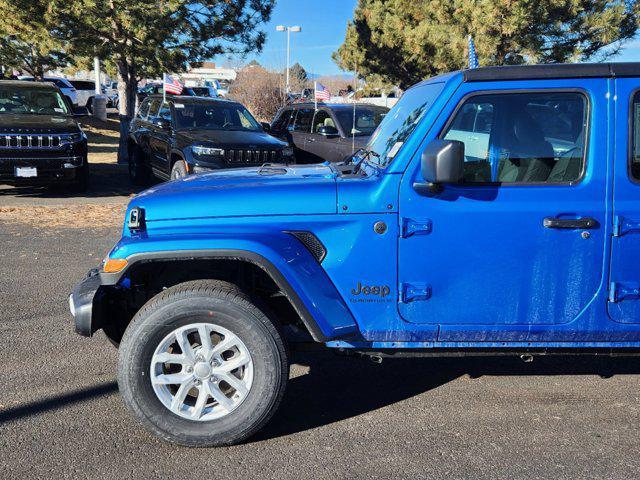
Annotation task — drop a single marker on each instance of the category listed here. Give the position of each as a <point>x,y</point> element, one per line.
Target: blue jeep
<point>493,210</point>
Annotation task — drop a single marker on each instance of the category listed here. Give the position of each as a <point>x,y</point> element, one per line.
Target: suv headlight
<point>208,151</point>
<point>287,152</point>
<point>72,138</point>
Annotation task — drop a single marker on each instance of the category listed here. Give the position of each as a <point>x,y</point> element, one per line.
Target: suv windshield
<point>215,116</point>
<point>366,120</point>
<point>34,101</point>
<point>401,121</point>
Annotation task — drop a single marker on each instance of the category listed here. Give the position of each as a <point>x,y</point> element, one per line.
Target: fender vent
<point>315,246</point>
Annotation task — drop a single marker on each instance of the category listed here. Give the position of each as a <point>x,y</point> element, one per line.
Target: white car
<point>63,84</point>
<point>86,91</point>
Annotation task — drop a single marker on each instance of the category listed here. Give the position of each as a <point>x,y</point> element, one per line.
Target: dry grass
<point>59,216</point>
<point>103,138</point>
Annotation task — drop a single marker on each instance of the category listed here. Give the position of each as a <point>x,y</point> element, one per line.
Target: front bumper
<point>85,302</point>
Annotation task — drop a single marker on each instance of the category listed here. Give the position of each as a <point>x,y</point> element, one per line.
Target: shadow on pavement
<point>341,388</point>
<point>338,388</point>
<point>57,402</point>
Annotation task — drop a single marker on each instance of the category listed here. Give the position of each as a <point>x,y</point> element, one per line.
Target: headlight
<point>287,152</point>
<point>71,138</point>
<point>208,151</point>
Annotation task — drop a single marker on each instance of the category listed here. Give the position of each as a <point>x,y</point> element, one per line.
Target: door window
<point>322,119</point>
<point>303,121</point>
<point>634,169</point>
<point>154,106</point>
<point>522,137</point>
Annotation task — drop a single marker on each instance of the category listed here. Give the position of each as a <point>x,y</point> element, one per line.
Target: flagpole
<point>164,89</point>
<point>315,96</point>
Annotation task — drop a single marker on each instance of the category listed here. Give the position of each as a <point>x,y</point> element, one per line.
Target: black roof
<point>336,106</point>
<point>551,71</point>
<point>191,98</point>
<point>26,84</point>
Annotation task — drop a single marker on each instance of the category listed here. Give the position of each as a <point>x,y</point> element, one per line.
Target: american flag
<point>322,93</point>
<point>171,85</point>
<point>473,57</point>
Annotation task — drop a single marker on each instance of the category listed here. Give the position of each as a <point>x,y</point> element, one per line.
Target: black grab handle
<point>570,223</point>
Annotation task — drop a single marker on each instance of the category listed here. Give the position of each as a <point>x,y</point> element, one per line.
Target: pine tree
<point>405,41</point>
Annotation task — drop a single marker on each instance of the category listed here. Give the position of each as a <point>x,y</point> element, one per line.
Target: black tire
<point>138,172</point>
<point>203,301</point>
<point>90,105</point>
<point>81,183</point>
<point>179,170</point>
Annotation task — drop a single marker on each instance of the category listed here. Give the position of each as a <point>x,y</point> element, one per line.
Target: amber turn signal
<point>114,265</point>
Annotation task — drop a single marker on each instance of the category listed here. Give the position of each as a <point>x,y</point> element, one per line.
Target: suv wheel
<point>138,173</point>
<point>179,170</point>
<point>200,365</point>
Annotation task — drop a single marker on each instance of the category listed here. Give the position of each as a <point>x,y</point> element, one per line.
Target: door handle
<point>570,223</point>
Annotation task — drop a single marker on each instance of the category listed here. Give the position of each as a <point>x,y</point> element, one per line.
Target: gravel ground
<point>342,418</point>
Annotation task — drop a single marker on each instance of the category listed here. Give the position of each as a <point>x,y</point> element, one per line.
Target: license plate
<point>26,172</point>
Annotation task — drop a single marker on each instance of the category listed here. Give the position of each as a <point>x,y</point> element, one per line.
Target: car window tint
<point>635,151</point>
<point>303,120</point>
<point>522,137</point>
<point>154,106</point>
<point>83,85</point>
<point>322,119</point>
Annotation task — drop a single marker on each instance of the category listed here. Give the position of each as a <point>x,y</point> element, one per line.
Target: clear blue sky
<point>324,23</point>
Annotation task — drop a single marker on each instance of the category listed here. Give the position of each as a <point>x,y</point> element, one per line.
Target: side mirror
<point>328,131</point>
<point>80,111</point>
<point>266,126</point>
<point>442,162</point>
<point>162,123</point>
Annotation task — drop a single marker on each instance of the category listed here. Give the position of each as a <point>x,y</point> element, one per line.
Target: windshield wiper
<point>367,154</point>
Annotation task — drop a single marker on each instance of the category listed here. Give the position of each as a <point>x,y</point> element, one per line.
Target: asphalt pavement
<point>342,418</point>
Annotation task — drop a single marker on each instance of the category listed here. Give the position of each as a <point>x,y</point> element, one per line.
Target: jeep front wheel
<point>200,365</point>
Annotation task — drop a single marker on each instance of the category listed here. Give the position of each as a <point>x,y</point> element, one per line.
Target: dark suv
<point>330,133</point>
<point>40,141</point>
<point>184,135</point>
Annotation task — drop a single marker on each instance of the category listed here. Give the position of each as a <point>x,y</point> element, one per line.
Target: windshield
<point>401,121</point>
<point>215,116</point>
<point>34,101</point>
<point>366,120</point>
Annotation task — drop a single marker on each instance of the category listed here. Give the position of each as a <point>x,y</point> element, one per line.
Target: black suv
<point>184,135</point>
<point>40,141</point>
<point>329,133</point>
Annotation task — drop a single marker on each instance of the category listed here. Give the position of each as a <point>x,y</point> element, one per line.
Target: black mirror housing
<point>443,161</point>
<point>328,131</point>
<point>266,126</point>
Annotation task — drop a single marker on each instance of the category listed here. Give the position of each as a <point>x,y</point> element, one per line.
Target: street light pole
<point>295,29</point>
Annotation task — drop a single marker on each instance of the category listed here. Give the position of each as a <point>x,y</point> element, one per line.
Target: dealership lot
<point>61,415</point>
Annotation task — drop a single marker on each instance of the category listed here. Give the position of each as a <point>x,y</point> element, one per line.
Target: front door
<point>323,148</point>
<point>521,242</point>
<point>300,132</point>
<point>624,297</point>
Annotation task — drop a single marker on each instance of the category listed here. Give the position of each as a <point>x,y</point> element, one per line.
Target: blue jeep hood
<point>277,190</point>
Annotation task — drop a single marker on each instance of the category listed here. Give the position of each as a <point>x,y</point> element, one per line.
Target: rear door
<point>160,140</point>
<point>624,296</point>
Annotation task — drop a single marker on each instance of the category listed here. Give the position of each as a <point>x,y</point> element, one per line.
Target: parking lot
<point>345,418</point>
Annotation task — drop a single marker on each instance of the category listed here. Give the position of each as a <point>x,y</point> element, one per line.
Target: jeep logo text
<point>382,290</point>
